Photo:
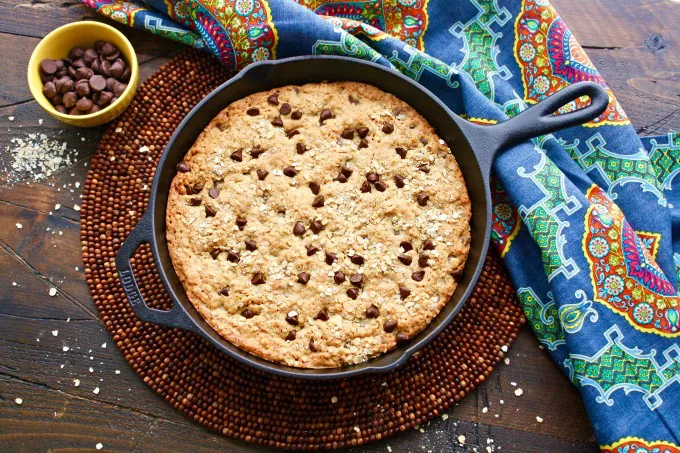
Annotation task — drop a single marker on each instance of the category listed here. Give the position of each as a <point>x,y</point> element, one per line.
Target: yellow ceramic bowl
<point>57,44</point>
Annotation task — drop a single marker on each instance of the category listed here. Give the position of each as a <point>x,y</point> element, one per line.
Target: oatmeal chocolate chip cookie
<point>319,225</point>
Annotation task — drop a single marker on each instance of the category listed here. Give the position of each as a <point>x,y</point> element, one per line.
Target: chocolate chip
<point>353,100</point>
<point>363,144</point>
<point>357,280</point>
<point>85,73</point>
<point>256,152</point>
<point>314,187</point>
<point>422,260</point>
<point>258,279</point>
<point>404,292</point>
<point>399,181</point>
<point>126,75</point>
<point>292,133</point>
<point>69,99</point>
<point>362,131</point>
<point>339,277</point>
<point>372,312</point>
<point>214,193</point>
<point>298,229</point>
<point>224,291</point>
<point>117,70</point>
<point>114,56</point>
<point>95,108</point>
<point>119,89</point>
<point>372,177</point>
<point>325,115</point>
<point>300,148</point>
<point>401,338</point>
<point>111,84</point>
<point>237,155</point>
<point>346,171</point>
<point>365,187</point>
<point>61,109</point>
<point>322,315</point>
<point>311,250</point>
<point>424,141</point>
<point>357,259</point>
<point>311,345</point>
<point>418,276</point>
<point>406,246</point>
<point>67,87</point>
<point>84,104</point>
<point>77,52</point>
<point>210,211</point>
<point>316,227</point>
<point>109,49</point>
<point>89,56</point>
<point>247,314</point>
<point>82,88</point>
<point>405,259</point>
<point>104,98</point>
<point>457,273</point>
<point>285,109</point>
<point>292,318</point>
<point>241,223</point>
<point>105,68</point>
<point>331,257</point>
<point>278,122</point>
<point>296,115</point>
<point>233,257</point>
<point>273,99</point>
<point>388,128</point>
<point>215,253</point>
<point>390,325</point>
<point>422,198</point>
<point>424,168</point>
<point>303,277</point>
<point>289,171</point>
<point>318,201</point>
<point>401,151</point>
<point>261,174</point>
<point>291,335</point>
<point>195,201</point>
<point>380,186</point>
<point>48,66</point>
<point>49,90</point>
<point>352,293</point>
<point>251,245</point>
<point>78,63</point>
<point>341,178</point>
<point>347,134</point>
<point>194,189</point>
<point>428,245</point>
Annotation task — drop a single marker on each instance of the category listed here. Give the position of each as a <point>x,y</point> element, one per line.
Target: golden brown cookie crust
<point>418,198</point>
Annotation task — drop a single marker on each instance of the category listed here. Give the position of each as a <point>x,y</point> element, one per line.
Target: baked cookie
<point>319,225</point>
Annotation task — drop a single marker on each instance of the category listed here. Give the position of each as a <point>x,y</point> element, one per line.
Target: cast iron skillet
<point>473,146</point>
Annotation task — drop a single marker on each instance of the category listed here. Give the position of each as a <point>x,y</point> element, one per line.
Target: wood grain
<point>638,53</point>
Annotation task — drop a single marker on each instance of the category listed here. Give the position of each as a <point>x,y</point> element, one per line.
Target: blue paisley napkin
<point>584,219</point>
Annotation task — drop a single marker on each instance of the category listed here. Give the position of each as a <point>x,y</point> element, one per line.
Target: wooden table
<point>636,46</point>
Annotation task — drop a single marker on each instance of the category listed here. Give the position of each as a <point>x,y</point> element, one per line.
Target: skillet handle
<point>142,234</point>
<point>539,120</point>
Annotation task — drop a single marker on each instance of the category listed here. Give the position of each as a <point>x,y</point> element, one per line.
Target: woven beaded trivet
<point>211,388</point>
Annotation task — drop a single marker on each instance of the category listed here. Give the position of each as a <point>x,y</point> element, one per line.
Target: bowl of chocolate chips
<point>84,74</point>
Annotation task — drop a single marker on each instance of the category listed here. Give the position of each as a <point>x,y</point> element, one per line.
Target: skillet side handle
<point>142,234</point>
<point>538,120</point>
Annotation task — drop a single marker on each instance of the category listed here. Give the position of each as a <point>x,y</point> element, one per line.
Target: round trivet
<point>217,391</point>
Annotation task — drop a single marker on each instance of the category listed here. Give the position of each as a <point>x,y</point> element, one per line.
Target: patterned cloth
<point>592,206</point>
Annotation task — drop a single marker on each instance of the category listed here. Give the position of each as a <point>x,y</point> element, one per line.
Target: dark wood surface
<point>636,46</point>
